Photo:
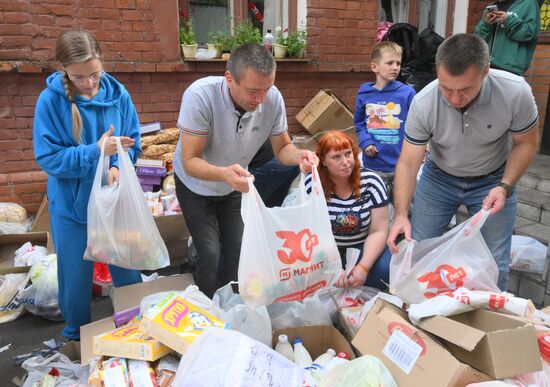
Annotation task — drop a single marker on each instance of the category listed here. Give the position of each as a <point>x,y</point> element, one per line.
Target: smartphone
<point>491,8</point>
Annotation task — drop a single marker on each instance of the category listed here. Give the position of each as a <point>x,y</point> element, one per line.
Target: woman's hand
<point>110,142</point>
<point>342,281</point>
<point>358,277</point>
<point>112,175</point>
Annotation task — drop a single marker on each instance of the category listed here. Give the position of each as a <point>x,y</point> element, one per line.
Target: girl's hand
<point>112,175</point>
<point>342,281</point>
<point>110,142</point>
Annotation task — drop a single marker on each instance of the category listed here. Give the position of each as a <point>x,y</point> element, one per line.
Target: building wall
<point>140,44</point>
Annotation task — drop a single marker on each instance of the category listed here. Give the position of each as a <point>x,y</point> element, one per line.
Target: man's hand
<point>307,160</point>
<point>371,150</point>
<point>495,200</point>
<point>401,225</point>
<point>237,177</point>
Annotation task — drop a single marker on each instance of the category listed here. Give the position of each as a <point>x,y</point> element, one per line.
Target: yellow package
<point>176,322</point>
<point>129,342</point>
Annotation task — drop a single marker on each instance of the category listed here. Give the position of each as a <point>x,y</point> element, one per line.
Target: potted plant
<point>216,42</point>
<point>280,45</point>
<point>296,43</point>
<point>187,39</point>
<point>246,33</point>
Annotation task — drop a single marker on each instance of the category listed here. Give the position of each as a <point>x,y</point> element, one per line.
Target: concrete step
<point>531,204</point>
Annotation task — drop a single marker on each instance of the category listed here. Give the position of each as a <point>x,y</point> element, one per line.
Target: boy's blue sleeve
<point>359,121</point>
<point>130,129</point>
<point>54,155</point>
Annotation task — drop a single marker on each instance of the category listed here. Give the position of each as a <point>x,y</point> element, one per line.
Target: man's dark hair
<point>458,52</point>
<point>253,56</point>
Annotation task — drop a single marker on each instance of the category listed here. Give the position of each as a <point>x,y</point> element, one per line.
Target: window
<point>222,15</point>
<point>422,13</point>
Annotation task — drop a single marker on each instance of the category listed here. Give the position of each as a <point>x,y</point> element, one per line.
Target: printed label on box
<point>403,351</point>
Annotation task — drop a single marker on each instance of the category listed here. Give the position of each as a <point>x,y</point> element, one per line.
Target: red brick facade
<point>139,39</point>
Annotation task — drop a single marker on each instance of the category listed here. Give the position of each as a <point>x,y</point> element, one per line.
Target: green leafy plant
<point>280,38</point>
<point>187,35</point>
<point>246,33</point>
<point>296,42</point>
<point>217,38</point>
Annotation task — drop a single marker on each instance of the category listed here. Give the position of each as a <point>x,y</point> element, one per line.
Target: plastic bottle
<point>268,40</point>
<point>284,347</point>
<point>325,357</point>
<point>333,363</point>
<point>301,355</point>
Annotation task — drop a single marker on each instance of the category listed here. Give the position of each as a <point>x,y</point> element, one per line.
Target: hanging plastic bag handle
<point>475,223</point>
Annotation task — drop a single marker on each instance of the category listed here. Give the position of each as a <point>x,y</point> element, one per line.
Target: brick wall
<point>140,44</point>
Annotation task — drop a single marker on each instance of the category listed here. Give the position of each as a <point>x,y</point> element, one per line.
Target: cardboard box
<point>42,221</point>
<point>413,358</point>
<point>346,327</point>
<point>317,339</point>
<point>501,346</point>
<point>71,349</point>
<point>175,234</point>
<point>310,142</point>
<point>177,322</point>
<point>129,342</point>
<point>325,111</point>
<point>11,242</point>
<point>126,302</point>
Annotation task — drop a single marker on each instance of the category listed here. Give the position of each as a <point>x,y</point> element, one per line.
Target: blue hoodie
<point>71,166</point>
<point>379,120</point>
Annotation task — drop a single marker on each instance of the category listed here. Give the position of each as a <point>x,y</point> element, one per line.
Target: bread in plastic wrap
<point>12,213</point>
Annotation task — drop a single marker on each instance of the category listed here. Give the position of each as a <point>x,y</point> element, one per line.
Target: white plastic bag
<point>41,296</point>
<point>10,300</point>
<point>459,258</point>
<point>334,298</point>
<point>527,254</point>
<point>222,357</point>
<point>287,253</point>
<point>121,229</point>
<point>253,322</point>
<point>71,374</point>
<point>464,300</point>
<point>309,311</point>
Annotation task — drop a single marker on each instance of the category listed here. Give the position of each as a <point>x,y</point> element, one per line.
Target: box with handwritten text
<point>176,322</point>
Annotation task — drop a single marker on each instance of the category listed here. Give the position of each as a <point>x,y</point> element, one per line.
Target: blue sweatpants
<point>74,274</point>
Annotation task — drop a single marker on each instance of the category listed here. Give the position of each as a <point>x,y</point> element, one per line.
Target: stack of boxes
<point>150,174</point>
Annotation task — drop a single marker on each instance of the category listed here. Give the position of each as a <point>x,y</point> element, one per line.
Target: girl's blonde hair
<point>75,47</point>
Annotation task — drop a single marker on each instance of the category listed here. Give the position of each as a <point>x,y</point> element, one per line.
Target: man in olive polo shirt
<point>481,127</point>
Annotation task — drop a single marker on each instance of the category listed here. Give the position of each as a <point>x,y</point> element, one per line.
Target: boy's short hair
<point>383,47</point>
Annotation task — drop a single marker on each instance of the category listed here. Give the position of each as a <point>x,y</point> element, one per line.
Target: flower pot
<point>217,48</point>
<point>189,50</point>
<point>279,51</point>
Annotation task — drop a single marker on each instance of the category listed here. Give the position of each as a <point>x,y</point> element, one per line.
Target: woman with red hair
<point>357,202</point>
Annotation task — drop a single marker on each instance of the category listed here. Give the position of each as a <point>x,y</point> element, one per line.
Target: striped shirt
<point>350,217</point>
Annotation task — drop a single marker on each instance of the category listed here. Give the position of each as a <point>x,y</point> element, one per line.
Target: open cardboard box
<point>500,345</point>
<point>317,339</point>
<point>412,356</point>
<point>325,111</point>
<point>126,302</point>
<point>11,242</point>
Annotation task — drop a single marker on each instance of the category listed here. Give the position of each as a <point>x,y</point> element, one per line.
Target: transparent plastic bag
<point>121,229</point>
<point>309,311</point>
<point>41,296</point>
<point>527,254</point>
<point>365,371</point>
<point>10,301</point>
<point>287,253</point>
<point>459,258</point>
<point>253,322</point>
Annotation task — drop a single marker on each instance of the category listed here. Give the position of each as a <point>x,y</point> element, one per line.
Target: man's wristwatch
<point>509,189</point>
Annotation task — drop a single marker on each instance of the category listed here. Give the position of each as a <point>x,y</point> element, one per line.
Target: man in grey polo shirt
<point>223,122</point>
<point>481,126</point>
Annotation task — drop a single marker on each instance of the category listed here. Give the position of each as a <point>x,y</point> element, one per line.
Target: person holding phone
<point>511,29</point>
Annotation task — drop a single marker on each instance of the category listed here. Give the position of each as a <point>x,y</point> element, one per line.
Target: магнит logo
<point>294,241</point>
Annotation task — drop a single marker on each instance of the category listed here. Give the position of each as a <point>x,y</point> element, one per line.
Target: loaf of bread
<point>157,150</point>
<point>13,213</point>
<point>166,136</point>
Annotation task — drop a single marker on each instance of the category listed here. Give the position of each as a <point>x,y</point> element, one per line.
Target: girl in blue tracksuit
<point>81,108</point>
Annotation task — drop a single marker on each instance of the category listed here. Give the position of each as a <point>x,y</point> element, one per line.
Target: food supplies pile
<point>453,329</point>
